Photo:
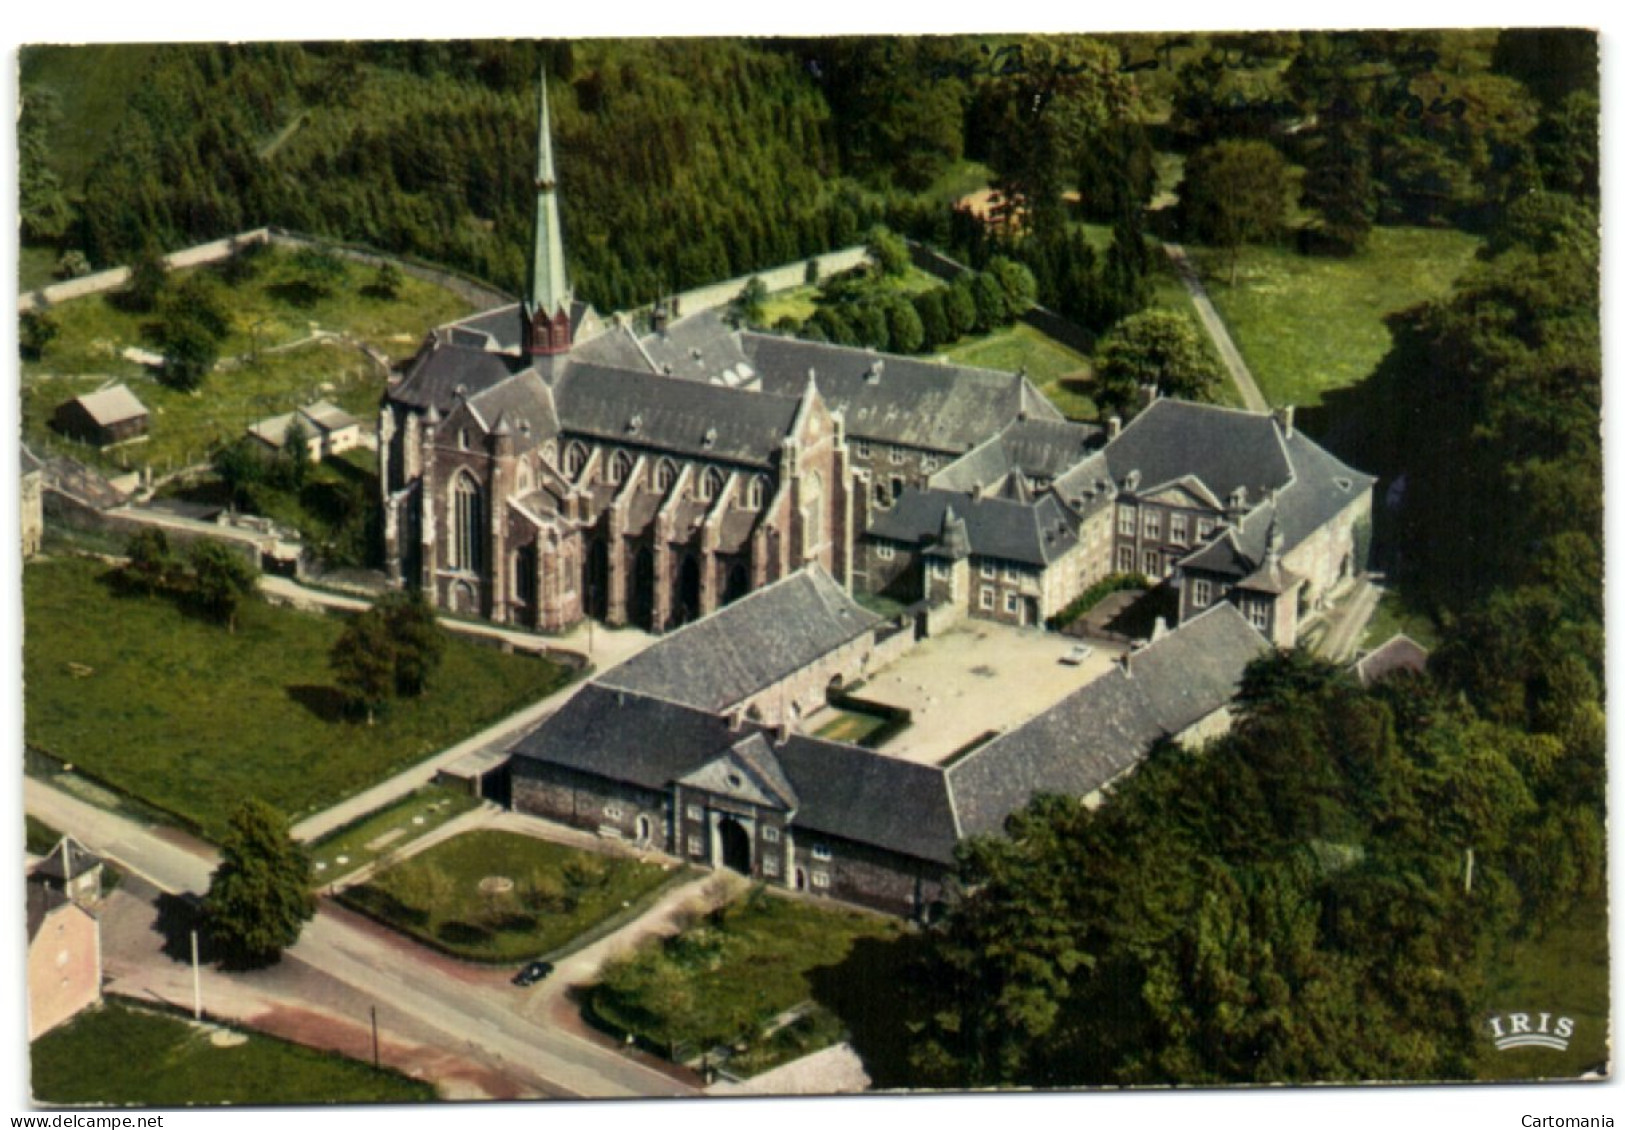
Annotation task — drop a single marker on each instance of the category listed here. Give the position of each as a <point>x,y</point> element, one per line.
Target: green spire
<point>548,289</point>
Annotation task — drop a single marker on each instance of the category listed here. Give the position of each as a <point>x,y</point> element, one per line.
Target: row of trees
<point>211,576</point>
<point>393,648</point>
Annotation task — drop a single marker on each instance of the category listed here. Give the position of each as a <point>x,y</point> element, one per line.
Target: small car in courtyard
<point>532,973</point>
<point>1077,655</point>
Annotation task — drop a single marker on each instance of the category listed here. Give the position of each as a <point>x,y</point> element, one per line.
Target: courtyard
<point>975,679</point>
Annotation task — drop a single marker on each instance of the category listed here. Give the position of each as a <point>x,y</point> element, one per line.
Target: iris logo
<point>1531,1030</point>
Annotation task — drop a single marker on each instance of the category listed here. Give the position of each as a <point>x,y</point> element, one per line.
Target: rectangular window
<point>989,570</point>
<point>987,600</point>
<point>1176,529</point>
<point>1148,563</point>
<point>1125,521</point>
<point>820,851</point>
<point>695,812</point>
<point>1204,528</point>
<point>1151,523</point>
<point>820,879</point>
<point>1201,593</point>
<point>770,865</point>
<point>939,570</point>
<point>929,464</point>
<point>1258,614</point>
<point>1010,600</point>
<point>1012,574</point>
<point>612,812</point>
<point>896,455</point>
<point>770,834</point>
<point>864,450</point>
<point>897,485</point>
<point>1125,559</point>
<point>885,552</point>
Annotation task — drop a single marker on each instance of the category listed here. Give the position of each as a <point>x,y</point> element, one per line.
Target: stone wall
<point>104,281</point>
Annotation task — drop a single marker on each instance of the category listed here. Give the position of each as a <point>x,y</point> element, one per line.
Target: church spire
<point>547,300</point>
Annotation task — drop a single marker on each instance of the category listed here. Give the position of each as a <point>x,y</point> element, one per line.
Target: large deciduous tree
<point>259,897</point>
<point>1234,193</point>
<point>221,579</point>
<point>417,640</point>
<point>363,661</point>
<point>1158,348</point>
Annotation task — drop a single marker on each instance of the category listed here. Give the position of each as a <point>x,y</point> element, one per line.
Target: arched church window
<point>665,475</point>
<point>758,492</point>
<point>575,458</point>
<point>526,481</point>
<point>467,524</point>
<point>620,466</point>
<point>550,453</point>
<point>710,484</point>
<point>812,493</point>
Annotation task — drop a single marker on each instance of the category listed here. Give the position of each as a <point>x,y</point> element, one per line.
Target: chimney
<point>1114,426</point>
<point>1283,416</point>
<point>658,318</point>
<point>1148,395</point>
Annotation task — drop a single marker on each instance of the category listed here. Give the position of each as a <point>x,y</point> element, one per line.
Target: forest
<point>1296,901</point>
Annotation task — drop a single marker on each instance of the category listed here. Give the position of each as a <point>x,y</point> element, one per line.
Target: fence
<point>1040,318</point>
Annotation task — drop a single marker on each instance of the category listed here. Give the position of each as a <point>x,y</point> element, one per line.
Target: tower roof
<point>548,290</point>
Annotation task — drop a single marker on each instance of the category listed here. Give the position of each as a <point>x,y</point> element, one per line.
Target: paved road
<point>476,1012</point>
<point>1228,353</point>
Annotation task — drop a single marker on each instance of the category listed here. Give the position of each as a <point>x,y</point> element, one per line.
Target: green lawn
<point>1306,324</point>
<point>189,718</point>
<point>849,726</point>
<point>1564,973</point>
<point>797,302</point>
<point>1061,373</point>
<point>504,897</point>
<point>40,837</point>
<point>387,830</point>
<point>119,1055</point>
<point>95,331</point>
<point>725,978</point>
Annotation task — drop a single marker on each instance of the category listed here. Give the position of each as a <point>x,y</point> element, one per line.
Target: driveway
<point>1228,353</point>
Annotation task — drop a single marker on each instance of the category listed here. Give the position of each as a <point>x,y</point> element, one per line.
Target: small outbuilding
<point>329,430</point>
<point>105,417</point>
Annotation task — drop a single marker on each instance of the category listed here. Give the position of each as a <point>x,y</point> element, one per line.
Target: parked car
<point>1077,655</point>
<point>532,973</point>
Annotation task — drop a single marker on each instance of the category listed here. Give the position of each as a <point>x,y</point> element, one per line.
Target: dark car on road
<point>532,973</point>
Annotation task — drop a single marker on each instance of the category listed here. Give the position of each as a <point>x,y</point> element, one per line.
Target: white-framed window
<point>939,570</point>
<point>1258,614</point>
<point>820,851</point>
<point>820,879</point>
<point>696,845</point>
<point>1012,574</point>
<point>665,475</point>
<point>710,484</point>
<point>989,570</point>
<point>770,866</point>
<point>987,599</point>
<point>1125,559</point>
<point>1201,592</point>
<point>885,551</point>
<point>1149,565</point>
<point>895,455</point>
<point>864,450</point>
<point>1177,528</point>
<point>928,464</point>
<point>758,492</point>
<point>575,458</point>
<point>1151,523</point>
<point>620,466</point>
<point>770,834</point>
<point>695,812</point>
<point>462,439</point>
<point>612,811</point>
<point>467,524</point>
<point>1204,528</point>
<point>1010,600</point>
<point>1125,521</point>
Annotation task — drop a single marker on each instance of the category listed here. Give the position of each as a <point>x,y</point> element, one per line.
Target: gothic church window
<point>710,484</point>
<point>665,475</point>
<point>575,458</point>
<point>758,492</point>
<point>467,524</point>
<point>620,466</point>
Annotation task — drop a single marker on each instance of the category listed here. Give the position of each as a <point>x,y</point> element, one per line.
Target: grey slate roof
<point>1223,447</point>
<point>1046,448</point>
<point>69,855</point>
<point>504,327</point>
<point>701,347</point>
<point>1105,728</point>
<point>1029,533</point>
<point>913,403</point>
<point>726,657</point>
<point>523,399</point>
<point>836,789</point>
<point>676,416</point>
<point>616,347</point>
<point>436,373</point>
<point>1400,653</point>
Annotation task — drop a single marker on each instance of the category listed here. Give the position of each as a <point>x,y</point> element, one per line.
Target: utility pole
<point>375,1035</point>
<point>197,985</point>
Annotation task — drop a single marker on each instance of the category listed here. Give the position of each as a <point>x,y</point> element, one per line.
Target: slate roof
<point>504,327</point>
<point>1029,533</point>
<point>1046,448</point>
<point>701,347</point>
<point>1400,653</point>
<point>726,657</point>
<point>912,402</point>
<point>112,405</point>
<point>616,347</point>
<point>68,855</point>
<point>433,377</point>
<point>861,795</point>
<point>675,416</point>
<point>1225,448</point>
<point>328,416</point>
<point>1104,728</point>
<point>28,462</point>
<point>523,399</point>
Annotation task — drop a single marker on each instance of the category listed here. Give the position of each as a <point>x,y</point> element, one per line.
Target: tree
<point>241,467</point>
<point>72,265</point>
<point>190,351</point>
<point>221,578</point>
<point>960,305</point>
<point>363,661</point>
<point>293,461</point>
<point>148,274</point>
<point>386,282</point>
<point>992,311</point>
<point>417,639</point>
<point>888,252</point>
<point>316,271</point>
<point>1155,347</point>
<point>152,565</point>
<point>903,326</point>
<point>259,897</point>
<point>36,329</point>
<point>44,211</point>
<point>931,306</point>
<point>1234,193</point>
<point>748,306</point>
<point>1017,283</point>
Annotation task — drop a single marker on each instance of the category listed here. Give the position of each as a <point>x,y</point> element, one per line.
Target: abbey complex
<point>542,464</point>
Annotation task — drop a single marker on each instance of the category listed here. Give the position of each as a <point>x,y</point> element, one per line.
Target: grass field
<point>153,701</point>
<point>117,1055</point>
<point>184,426</point>
<point>1564,973</point>
<point>727,976</point>
<point>1062,373</point>
<point>1306,324</point>
<point>387,830</point>
<point>849,726</point>
<point>501,897</point>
